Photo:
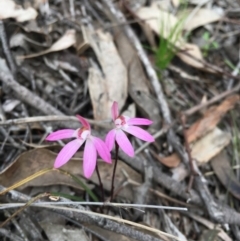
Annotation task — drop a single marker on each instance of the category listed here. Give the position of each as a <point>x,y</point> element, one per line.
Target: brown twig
<point>17,226</point>
<point>22,208</point>
<point>193,172</point>
<point>27,96</point>
<point>50,118</point>
<point>229,215</point>
<point>10,235</point>
<point>90,219</point>
<point>211,101</point>
<point>6,49</point>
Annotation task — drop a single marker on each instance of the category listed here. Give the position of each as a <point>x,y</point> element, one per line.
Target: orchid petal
<point>139,121</point>
<point>67,152</point>
<point>124,143</point>
<point>102,149</point>
<point>110,139</point>
<point>139,133</point>
<point>59,135</point>
<point>89,158</point>
<point>115,112</point>
<point>84,122</point>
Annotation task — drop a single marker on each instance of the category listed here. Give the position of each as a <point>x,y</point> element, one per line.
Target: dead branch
<point>229,215</point>
<point>6,49</point>
<point>89,218</point>
<point>27,96</point>
<point>212,101</point>
<point>10,235</point>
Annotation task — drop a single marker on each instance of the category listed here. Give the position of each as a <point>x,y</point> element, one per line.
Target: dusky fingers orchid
<point>127,124</point>
<point>93,146</point>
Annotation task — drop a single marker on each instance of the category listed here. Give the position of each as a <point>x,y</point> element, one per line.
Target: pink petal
<point>67,152</point>
<point>115,112</point>
<point>139,133</point>
<point>139,121</point>
<point>89,158</point>
<point>102,149</point>
<point>59,135</point>
<point>84,122</point>
<point>124,143</point>
<point>110,139</point>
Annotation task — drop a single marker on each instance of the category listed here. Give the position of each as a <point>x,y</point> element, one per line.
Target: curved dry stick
<point>27,96</point>
<point>91,219</point>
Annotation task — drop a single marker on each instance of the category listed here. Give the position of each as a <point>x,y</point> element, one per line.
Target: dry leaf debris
<point>59,59</point>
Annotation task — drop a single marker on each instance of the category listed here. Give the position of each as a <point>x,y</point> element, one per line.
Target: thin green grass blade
<point>86,188</point>
<point>166,50</point>
<point>83,185</point>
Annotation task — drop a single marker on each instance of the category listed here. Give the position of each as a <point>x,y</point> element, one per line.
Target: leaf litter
<point>74,59</point>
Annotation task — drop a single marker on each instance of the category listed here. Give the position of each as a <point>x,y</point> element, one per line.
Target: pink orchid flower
<point>127,124</point>
<point>93,146</point>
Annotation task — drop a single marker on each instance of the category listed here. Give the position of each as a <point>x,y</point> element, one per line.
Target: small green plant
<point>170,36</point>
<point>209,45</point>
<point>166,50</point>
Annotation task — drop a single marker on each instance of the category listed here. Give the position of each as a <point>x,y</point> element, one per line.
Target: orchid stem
<point>100,182</point>
<point>114,170</point>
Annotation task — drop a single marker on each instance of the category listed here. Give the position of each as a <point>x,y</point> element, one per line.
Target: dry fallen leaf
<point>164,5</point>
<point>160,21</point>
<point>164,23</point>
<point>137,83</point>
<point>9,9</point>
<point>130,111</point>
<point>110,84</point>
<point>169,161</point>
<point>176,3</point>
<point>188,50</point>
<point>210,145</point>
<point>98,93</point>
<point>200,128</point>
<point>204,149</point>
<point>211,118</point>
<point>224,172</point>
<point>66,41</point>
<point>35,160</point>
<point>200,18</point>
